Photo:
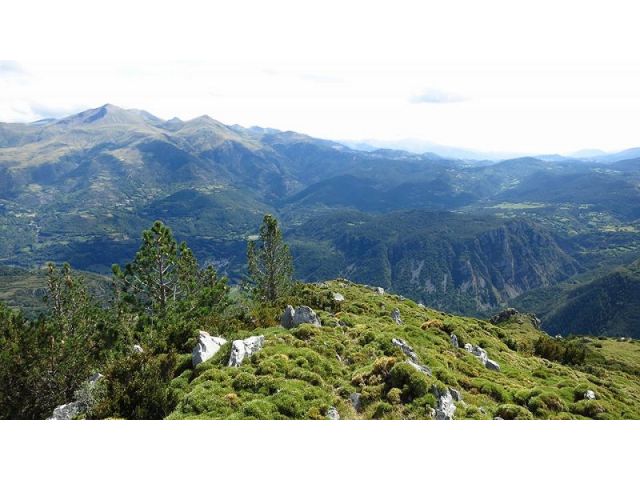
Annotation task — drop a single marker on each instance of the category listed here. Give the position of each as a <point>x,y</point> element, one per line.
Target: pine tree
<point>165,284</point>
<point>269,263</point>
<point>151,279</point>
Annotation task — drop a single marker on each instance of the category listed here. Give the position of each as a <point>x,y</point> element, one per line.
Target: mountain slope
<point>461,263</point>
<point>359,363</point>
<point>608,305</point>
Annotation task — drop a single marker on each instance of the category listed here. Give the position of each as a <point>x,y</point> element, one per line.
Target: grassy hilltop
<point>301,373</point>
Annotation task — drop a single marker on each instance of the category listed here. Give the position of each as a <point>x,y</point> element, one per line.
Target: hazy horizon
<point>525,79</point>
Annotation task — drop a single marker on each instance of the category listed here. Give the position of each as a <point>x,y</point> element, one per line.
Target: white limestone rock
<point>292,317</point>
<point>445,409</point>
<point>395,316</point>
<point>241,349</point>
<point>206,348</point>
<point>406,349</point>
<point>492,365</point>
<point>332,414</point>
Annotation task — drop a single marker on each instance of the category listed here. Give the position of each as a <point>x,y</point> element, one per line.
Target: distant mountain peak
<point>109,114</point>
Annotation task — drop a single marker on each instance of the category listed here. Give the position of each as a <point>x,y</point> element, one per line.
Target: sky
<point>499,76</point>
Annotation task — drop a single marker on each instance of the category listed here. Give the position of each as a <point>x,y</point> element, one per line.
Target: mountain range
<point>467,237</point>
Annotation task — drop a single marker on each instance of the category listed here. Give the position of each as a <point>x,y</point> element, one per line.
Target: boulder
<point>589,395</point>
<point>445,409</point>
<point>356,402</point>
<point>338,297</point>
<point>378,290</point>
<point>332,414</point>
<point>421,305</point>
<point>241,349</point>
<point>454,341</point>
<point>395,316</point>
<point>492,365</point>
<point>292,317</point>
<point>468,347</point>
<point>406,349</point>
<point>137,349</point>
<point>206,348</point>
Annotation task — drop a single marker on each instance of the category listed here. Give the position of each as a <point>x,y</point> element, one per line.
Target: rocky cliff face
<point>483,272</point>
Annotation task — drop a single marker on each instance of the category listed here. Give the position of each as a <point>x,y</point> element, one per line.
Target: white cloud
<point>344,69</point>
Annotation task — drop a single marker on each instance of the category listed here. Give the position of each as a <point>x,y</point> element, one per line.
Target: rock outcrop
<point>332,414</point>
<point>412,358</point>
<point>481,353</point>
<point>241,349</point>
<point>445,409</point>
<point>292,317</point>
<point>356,402</point>
<point>84,400</point>
<point>589,395</point>
<point>454,341</point>
<point>395,316</point>
<point>421,368</point>
<point>206,348</point>
<point>338,297</point>
<point>492,365</point>
<point>406,348</point>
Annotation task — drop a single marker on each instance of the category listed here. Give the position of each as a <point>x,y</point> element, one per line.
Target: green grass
<point>301,373</point>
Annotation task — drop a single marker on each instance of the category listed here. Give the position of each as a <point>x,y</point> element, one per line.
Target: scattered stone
<point>446,408</point>
<point>338,297</point>
<point>589,395</point>
<point>378,290</point>
<point>206,348</point>
<point>395,315</point>
<point>492,365</point>
<point>454,340</point>
<point>558,337</point>
<point>292,317</point>
<point>421,305</point>
<point>421,368</point>
<point>431,412</point>
<point>137,349</point>
<point>468,347</point>
<point>332,414</point>
<point>241,349</point>
<point>481,353</point>
<point>356,402</point>
<point>498,418</point>
<point>406,349</point>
